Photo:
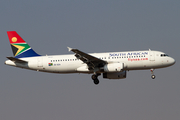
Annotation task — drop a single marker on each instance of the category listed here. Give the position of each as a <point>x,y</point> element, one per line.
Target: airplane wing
<point>16,60</point>
<point>91,61</point>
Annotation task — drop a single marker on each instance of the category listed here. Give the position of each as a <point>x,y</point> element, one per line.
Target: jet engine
<point>114,75</point>
<point>113,67</point>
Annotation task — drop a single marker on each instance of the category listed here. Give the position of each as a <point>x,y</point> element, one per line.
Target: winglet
<point>69,48</point>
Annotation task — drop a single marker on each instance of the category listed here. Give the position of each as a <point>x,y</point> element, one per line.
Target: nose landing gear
<point>152,72</point>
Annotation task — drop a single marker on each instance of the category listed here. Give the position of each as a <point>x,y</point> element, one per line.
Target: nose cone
<point>172,61</point>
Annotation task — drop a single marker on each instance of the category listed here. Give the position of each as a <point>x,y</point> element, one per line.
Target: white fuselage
<point>132,60</point>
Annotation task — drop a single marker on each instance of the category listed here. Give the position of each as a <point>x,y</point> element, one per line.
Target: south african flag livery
<point>19,47</point>
<point>50,64</point>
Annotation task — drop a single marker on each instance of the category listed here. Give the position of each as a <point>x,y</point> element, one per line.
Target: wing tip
<point>69,48</point>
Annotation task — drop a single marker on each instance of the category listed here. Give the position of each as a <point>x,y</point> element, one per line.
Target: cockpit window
<point>164,55</point>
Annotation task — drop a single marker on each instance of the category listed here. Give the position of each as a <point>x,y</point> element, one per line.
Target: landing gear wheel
<point>96,82</point>
<point>152,72</point>
<point>153,76</point>
<point>94,77</point>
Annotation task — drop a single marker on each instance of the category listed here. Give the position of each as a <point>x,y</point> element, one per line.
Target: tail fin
<point>19,47</point>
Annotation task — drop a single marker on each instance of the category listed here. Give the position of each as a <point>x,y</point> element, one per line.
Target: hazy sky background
<point>91,26</point>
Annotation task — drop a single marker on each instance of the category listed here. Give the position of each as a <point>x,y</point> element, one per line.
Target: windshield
<point>164,55</point>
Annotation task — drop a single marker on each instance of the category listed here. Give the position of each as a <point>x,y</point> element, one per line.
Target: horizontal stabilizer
<point>16,60</point>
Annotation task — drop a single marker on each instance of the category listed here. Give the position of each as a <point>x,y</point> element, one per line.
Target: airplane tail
<point>19,47</point>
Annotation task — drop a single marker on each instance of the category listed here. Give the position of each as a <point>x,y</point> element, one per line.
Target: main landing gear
<point>95,78</point>
<point>152,72</point>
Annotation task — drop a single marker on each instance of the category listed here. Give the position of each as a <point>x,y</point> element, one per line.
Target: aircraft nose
<point>173,61</point>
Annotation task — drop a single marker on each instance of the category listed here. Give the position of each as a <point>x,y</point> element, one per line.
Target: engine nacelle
<point>113,67</point>
<point>115,75</point>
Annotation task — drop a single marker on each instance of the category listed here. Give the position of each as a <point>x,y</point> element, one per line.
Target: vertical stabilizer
<point>19,47</point>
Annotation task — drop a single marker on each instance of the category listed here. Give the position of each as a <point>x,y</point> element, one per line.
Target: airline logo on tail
<point>19,47</point>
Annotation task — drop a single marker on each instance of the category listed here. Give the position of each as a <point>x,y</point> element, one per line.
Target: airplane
<point>112,65</point>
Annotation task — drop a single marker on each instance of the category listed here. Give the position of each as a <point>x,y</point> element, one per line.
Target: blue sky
<point>91,26</point>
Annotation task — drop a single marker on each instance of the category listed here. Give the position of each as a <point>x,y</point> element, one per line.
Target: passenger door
<point>152,56</point>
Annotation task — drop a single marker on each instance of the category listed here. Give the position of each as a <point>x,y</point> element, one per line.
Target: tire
<point>153,76</point>
<point>94,77</point>
<point>96,82</point>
